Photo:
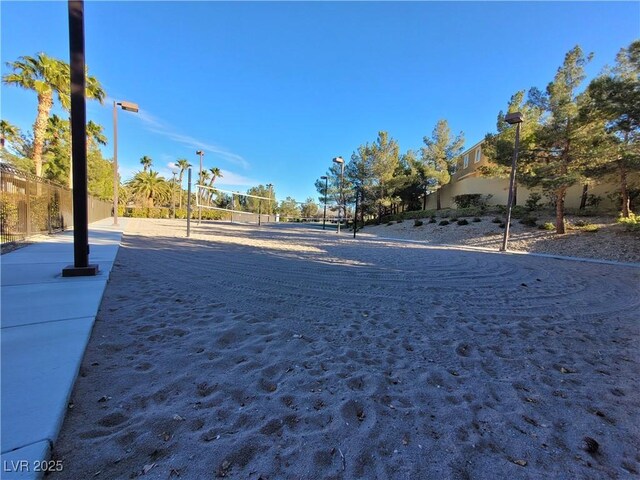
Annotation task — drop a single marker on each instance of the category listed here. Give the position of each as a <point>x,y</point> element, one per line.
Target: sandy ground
<point>610,242</point>
<point>286,352</point>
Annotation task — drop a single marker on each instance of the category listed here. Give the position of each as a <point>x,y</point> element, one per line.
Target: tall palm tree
<point>150,187</point>
<point>146,163</point>
<point>204,176</point>
<point>8,131</point>
<point>215,173</point>
<point>183,164</point>
<point>46,76</point>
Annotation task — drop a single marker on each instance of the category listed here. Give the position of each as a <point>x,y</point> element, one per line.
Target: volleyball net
<point>236,207</point>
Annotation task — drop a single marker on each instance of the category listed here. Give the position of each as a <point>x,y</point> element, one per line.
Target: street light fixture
<point>512,118</point>
<point>340,161</point>
<point>326,186</point>
<point>201,153</point>
<point>129,107</point>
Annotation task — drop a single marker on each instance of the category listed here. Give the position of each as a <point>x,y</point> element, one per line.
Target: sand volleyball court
<point>285,352</point>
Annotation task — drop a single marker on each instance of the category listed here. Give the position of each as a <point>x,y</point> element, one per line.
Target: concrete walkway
<point>46,322</point>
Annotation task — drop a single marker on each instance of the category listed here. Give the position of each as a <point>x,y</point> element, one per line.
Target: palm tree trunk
<point>180,189</point>
<point>45,102</point>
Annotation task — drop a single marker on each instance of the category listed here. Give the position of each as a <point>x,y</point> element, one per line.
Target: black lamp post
<point>340,161</point>
<point>81,266</point>
<point>326,186</point>
<point>512,118</point>
<point>129,107</point>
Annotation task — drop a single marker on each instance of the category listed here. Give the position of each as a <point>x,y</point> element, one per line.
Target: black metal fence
<point>31,205</point>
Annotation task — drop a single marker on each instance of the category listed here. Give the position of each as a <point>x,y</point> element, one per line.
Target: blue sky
<point>273,91</point>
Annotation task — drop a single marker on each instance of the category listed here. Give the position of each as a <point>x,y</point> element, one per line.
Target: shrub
<point>432,220</point>
<point>631,224</point>
<point>444,222</point>
<point>389,223</point>
<point>454,219</point>
<point>399,221</point>
<point>529,221</point>
<point>477,219</point>
<point>533,201</point>
<point>471,200</point>
<point>497,220</point>
<point>417,223</point>
<point>502,225</point>
<point>547,226</point>
<point>590,228</point>
<point>463,222</point>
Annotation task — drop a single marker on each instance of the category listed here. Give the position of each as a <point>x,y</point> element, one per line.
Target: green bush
<point>590,228</point>
<point>454,219</point>
<point>399,221</point>
<point>477,219</point>
<point>547,226</point>
<point>444,222</point>
<point>463,222</point>
<point>497,220</point>
<point>631,224</point>
<point>432,220</point>
<point>533,202</point>
<point>389,223</point>
<point>502,225</point>
<point>471,200</point>
<point>529,221</point>
<point>417,223</point>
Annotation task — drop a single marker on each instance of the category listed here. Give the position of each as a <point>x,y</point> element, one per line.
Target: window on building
<point>478,153</point>
<point>465,161</point>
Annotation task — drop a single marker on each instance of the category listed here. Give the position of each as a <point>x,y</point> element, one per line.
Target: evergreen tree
<point>439,156</point>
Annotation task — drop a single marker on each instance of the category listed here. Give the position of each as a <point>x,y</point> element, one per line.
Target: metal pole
<point>189,203</point>
<point>505,239</point>
<point>355,215</point>
<point>115,163</point>
<point>324,216</point>
<point>81,265</point>
<point>259,211</point>
<point>341,196</point>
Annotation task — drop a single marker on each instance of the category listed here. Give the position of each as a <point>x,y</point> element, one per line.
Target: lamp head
<point>324,177</point>
<point>199,152</point>
<point>128,106</point>
<point>513,118</point>
<point>338,160</point>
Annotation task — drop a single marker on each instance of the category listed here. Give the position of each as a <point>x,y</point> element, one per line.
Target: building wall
<point>498,188</point>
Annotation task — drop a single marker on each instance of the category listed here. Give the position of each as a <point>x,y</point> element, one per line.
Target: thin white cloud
<point>156,125</point>
<point>231,179</point>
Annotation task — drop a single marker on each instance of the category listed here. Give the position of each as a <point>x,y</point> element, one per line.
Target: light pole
<point>512,118</point>
<point>340,161</point>
<point>129,107</point>
<point>270,187</point>
<point>326,187</point>
<point>201,153</point>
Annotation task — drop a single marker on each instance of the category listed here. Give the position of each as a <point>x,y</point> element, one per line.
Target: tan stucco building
<point>468,180</point>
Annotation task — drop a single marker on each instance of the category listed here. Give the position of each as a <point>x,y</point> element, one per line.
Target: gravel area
<point>609,242</point>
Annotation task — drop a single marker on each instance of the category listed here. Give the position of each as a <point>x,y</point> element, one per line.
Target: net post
<point>259,212</point>
<point>189,203</point>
